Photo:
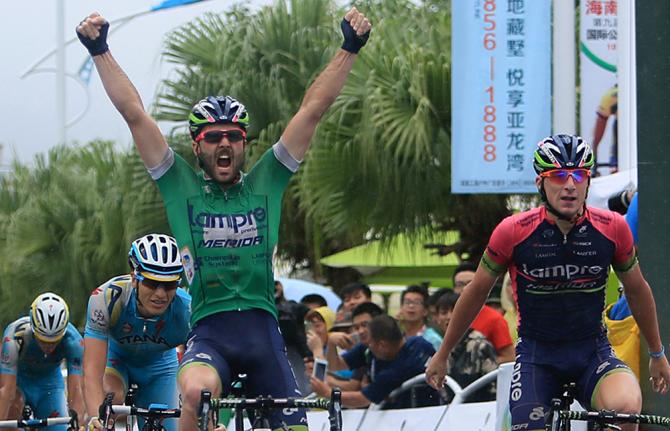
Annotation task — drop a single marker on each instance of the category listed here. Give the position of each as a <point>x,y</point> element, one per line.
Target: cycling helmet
<point>217,110</point>
<point>562,152</point>
<point>49,316</point>
<point>156,256</point>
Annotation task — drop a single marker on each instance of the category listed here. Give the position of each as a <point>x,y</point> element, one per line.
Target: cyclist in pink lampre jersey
<point>558,257</point>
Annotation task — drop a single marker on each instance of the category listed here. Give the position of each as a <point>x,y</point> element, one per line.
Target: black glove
<point>99,45</point>
<point>352,42</point>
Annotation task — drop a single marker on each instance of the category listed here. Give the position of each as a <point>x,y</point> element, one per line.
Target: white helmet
<point>156,256</point>
<point>49,316</point>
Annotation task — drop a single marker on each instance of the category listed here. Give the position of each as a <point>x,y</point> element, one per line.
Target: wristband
<point>97,46</point>
<point>657,355</point>
<point>352,42</point>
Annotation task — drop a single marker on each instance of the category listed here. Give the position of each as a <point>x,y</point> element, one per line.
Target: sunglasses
<point>155,284</point>
<point>560,176</point>
<point>215,136</point>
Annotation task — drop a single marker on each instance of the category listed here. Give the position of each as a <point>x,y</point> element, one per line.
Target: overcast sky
<point>28,32</point>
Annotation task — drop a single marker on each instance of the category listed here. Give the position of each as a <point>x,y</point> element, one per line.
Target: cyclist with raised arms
<point>558,257</point>
<point>227,222</point>
<point>134,322</point>
<point>33,349</point>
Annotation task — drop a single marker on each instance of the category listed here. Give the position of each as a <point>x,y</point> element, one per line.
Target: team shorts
<point>247,342</point>
<point>45,394</point>
<point>542,368</point>
<point>156,382</point>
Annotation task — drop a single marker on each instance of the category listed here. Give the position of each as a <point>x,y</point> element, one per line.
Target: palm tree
<point>66,224</point>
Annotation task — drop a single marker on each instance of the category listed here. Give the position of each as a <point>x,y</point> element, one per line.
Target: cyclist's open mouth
<point>223,161</point>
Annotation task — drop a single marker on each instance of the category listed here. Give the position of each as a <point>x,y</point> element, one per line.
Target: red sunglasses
<point>560,176</point>
<point>215,136</point>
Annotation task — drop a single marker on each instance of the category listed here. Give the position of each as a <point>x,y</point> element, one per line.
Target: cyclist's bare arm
<point>95,360</point>
<point>7,393</point>
<point>75,397</point>
<point>506,354</point>
<point>322,93</point>
<point>642,305</point>
<point>146,134</point>
<point>467,307</point>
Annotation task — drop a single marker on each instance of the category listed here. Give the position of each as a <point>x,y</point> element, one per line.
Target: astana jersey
<point>227,237</point>
<point>136,341</point>
<point>22,356</point>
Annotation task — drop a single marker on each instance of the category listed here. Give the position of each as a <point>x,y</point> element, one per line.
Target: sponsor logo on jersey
<point>536,414</point>
<point>127,328</point>
<point>565,285</point>
<point>232,230</point>
<point>189,264</point>
<point>559,271</point>
<point>204,356</point>
<point>234,221</point>
<point>231,243</point>
<point>516,383</point>
<point>146,338</point>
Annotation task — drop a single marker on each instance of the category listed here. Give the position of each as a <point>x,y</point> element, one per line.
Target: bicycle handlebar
<point>614,417</point>
<point>27,423</point>
<point>332,405</point>
<point>264,403</point>
<point>107,409</point>
<point>147,413</point>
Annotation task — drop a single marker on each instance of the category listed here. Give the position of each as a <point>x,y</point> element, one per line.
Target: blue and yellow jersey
<point>113,316</point>
<point>21,355</point>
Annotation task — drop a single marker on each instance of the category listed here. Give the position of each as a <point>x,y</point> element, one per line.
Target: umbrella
<point>295,289</point>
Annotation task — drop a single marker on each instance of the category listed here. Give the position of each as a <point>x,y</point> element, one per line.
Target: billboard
<point>501,93</point>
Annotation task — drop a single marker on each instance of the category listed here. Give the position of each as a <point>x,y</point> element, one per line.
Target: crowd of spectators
<point>369,354</point>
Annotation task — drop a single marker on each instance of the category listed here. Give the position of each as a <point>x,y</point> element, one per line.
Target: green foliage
<point>66,224</point>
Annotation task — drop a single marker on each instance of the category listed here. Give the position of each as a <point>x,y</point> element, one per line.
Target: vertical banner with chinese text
<point>501,93</point>
<point>598,80</point>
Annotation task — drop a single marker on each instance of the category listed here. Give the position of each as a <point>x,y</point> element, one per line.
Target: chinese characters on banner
<point>501,93</point>
<point>598,54</point>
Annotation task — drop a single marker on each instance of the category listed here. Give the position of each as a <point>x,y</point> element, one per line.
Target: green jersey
<point>227,238</point>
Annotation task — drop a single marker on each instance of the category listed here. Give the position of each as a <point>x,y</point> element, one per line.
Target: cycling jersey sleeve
<point>498,253</point>
<point>74,353</point>
<point>159,170</point>
<point>273,171</point>
<point>97,322</point>
<point>176,175</point>
<point>10,352</point>
<point>625,256</point>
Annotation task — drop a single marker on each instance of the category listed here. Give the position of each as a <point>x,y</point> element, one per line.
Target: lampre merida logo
<point>561,271</point>
<point>233,230</point>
